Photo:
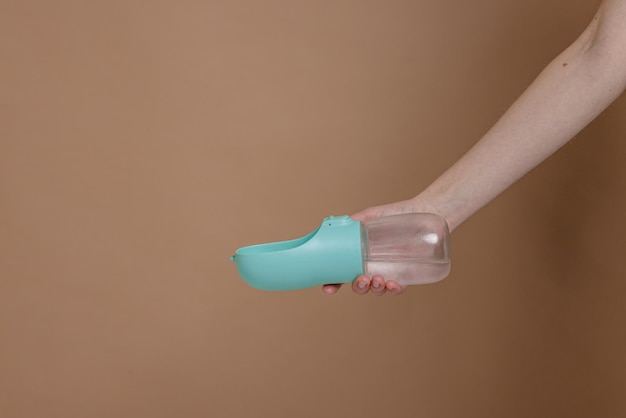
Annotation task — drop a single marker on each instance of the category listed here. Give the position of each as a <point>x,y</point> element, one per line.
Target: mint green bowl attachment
<point>330,254</point>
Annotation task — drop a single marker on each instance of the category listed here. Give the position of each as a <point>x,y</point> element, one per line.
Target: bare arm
<point>569,93</point>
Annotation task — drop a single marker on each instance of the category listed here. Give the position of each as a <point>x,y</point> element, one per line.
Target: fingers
<point>378,285</point>
<point>394,287</point>
<point>404,206</point>
<point>363,285</point>
<point>366,215</point>
<point>331,289</point>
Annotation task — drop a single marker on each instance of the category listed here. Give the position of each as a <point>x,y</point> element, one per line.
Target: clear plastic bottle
<point>412,248</point>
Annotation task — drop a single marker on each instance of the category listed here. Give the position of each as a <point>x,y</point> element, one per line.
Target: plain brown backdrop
<point>142,142</point>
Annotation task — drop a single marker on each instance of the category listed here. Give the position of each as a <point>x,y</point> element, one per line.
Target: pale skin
<point>578,85</point>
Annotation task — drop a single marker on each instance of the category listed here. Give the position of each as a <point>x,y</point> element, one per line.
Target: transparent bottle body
<point>409,248</point>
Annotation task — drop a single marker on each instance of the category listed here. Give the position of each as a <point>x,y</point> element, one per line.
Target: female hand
<point>377,284</point>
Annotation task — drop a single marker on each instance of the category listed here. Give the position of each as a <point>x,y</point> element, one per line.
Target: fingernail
<point>376,284</point>
<point>361,284</point>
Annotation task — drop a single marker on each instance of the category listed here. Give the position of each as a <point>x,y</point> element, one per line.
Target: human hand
<point>377,284</point>
<point>363,285</point>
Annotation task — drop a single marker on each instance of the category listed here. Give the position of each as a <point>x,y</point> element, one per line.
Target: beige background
<point>142,142</point>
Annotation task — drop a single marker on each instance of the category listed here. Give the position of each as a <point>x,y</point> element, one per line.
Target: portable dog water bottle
<point>409,248</point>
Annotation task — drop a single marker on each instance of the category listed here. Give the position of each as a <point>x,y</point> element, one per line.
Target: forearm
<point>571,91</point>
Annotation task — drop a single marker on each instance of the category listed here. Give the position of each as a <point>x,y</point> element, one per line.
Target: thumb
<point>383,210</point>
